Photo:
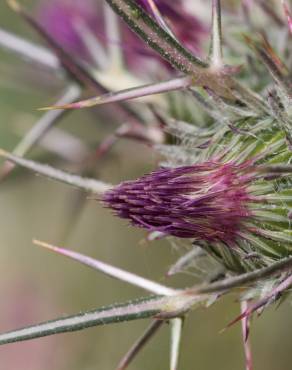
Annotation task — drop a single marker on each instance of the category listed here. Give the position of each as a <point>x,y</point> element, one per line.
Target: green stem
<point>132,310</point>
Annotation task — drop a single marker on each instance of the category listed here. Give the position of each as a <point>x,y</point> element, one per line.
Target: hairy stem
<point>87,184</point>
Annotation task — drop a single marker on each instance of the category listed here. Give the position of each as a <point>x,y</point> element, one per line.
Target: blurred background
<point>36,285</point>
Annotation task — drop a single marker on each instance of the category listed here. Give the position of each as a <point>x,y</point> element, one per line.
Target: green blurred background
<point>36,285</point>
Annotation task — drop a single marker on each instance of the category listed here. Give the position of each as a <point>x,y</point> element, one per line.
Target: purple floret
<point>206,201</point>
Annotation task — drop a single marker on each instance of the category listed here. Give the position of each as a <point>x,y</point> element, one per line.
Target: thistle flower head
<point>206,201</point>
<point>227,181</point>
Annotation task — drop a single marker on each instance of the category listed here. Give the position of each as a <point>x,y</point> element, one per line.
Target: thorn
<point>174,84</point>
<point>14,5</point>
<point>109,270</point>
<point>216,54</point>
<point>4,153</point>
<point>45,245</point>
<point>245,335</point>
<point>176,336</point>
<point>139,344</point>
<point>77,105</point>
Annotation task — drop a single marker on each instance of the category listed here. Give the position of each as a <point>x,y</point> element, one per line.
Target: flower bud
<point>207,201</point>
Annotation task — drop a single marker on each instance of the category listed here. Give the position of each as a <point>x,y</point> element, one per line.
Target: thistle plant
<point>224,186</point>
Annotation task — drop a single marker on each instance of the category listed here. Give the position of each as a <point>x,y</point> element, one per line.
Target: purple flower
<point>207,201</point>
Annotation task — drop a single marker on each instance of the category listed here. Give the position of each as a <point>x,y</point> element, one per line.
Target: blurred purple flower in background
<point>60,18</point>
<point>70,22</point>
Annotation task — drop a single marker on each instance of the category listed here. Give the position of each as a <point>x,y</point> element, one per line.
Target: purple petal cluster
<point>207,201</point>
